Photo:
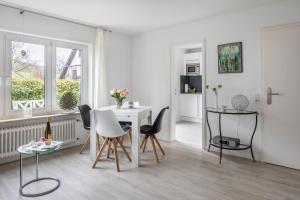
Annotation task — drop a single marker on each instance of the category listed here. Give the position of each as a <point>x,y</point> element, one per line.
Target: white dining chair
<point>108,127</point>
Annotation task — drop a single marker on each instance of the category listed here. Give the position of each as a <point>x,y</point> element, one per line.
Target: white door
<point>281,116</point>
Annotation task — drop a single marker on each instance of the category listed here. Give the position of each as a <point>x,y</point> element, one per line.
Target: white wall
<point>44,26</point>
<point>118,60</point>
<point>151,59</point>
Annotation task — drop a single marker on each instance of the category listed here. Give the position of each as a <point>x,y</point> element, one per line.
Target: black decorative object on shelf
<point>194,82</point>
<point>226,141</point>
<point>222,144</point>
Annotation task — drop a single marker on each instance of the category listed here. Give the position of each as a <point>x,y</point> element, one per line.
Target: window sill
<point>38,117</point>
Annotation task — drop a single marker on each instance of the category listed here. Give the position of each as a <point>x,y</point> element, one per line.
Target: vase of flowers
<point>215,90</point>
<point>119,95</point>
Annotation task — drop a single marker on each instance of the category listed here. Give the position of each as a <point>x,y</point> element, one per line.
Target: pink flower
<point>113,91</point>
<point>123,93</point>
<point>42,139</point>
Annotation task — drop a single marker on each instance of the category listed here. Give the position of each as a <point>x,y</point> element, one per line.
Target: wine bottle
<point>48,133</point>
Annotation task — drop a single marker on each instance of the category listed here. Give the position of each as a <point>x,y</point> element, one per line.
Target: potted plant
<point>68,101</point>
<point>119,95</point>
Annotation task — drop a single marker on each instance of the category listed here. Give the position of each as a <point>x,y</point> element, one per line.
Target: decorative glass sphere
<point>240,102</point>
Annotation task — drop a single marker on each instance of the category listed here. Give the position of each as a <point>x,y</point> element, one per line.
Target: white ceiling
<point>137,16</point>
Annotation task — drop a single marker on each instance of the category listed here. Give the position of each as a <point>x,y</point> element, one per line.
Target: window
<point>27,75</point>
<point>39,71</point>
<point>68,72</point>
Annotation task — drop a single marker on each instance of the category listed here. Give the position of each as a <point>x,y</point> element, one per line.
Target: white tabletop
<point>126,109</point>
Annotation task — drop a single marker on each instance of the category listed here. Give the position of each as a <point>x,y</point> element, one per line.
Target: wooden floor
<point>189,133</point>
<point>184,173</point>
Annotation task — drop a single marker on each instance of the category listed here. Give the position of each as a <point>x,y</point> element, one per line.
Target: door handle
<point>270,94</point>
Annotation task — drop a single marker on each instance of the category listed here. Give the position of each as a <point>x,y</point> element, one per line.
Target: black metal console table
<point>221,112</point>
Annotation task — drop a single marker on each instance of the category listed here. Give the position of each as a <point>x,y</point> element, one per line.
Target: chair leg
<point>154,149</point>
<point>130,136</point>
<point>142,143</point>
<point>122,146</point>
<point>112,148</point>
<point>98,143</point>
<point>122,139</point>
<point>145,143</point>
<point>115,142</point>
<point>87,140</point>
<point>109,147</point>
<point>158,144</point>
<point>100,152</point>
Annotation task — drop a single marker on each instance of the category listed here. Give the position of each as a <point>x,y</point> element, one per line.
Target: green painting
<point>230,58</point>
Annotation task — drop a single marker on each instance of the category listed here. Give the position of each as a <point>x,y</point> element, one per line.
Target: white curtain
<point>100,91</point>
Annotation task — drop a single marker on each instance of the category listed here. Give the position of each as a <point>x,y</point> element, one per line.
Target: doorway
<point>188,93</point>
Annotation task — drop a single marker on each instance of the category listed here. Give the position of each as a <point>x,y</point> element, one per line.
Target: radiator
<point>13,137</point>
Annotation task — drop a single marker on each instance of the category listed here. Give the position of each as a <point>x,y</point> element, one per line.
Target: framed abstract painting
<point>230,58</point>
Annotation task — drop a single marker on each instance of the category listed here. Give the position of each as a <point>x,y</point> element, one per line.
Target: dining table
<point>136,116</point>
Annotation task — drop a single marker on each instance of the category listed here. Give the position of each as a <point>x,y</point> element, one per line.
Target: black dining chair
<point>150,131</point>
<point>85,116</point>
<point>126,127</point>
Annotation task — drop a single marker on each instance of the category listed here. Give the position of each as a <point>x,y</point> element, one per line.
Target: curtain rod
<point>22,10</point>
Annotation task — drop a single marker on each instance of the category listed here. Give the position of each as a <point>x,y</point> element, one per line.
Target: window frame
<point>84,71</point>
<point>49,73</point>
<point>2,73</point>
<point>8,72</point>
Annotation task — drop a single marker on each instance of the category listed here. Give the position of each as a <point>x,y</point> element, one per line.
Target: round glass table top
<point>40,148</point>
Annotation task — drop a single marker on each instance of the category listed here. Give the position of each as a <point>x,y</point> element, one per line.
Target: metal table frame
<point>37,178</point>
<point>221,146</point>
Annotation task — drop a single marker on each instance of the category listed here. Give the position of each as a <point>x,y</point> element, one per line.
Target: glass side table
<point>26,151</point>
